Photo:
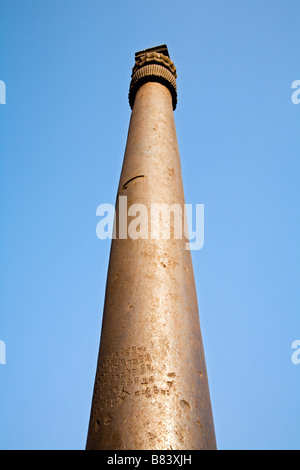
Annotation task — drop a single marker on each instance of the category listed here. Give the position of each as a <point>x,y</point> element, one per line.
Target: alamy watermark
<point>153,221</point>
<point>296,94</point>
<point>296,353</point>
<point>2,353</point>
<point>2,92</point>
<point>296,344</point>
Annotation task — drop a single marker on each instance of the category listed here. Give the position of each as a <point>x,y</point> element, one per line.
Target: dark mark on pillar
<point>129,181</point>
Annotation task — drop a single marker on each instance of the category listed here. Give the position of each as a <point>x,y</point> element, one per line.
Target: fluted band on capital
<point>153,67</point>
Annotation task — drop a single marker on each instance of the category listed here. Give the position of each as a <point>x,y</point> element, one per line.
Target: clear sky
<point>67,65</point>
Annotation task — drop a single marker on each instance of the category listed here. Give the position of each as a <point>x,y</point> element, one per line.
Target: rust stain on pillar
<point>151,389</point>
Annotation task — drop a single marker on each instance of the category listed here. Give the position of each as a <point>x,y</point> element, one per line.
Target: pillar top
<point>153,65</point>
<point>160,49</point>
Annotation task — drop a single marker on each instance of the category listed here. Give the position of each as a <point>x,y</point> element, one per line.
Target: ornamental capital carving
<point>153,65</point>
<point>154,58</point>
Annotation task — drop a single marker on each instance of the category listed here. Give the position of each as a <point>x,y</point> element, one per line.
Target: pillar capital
<point>153,65</point>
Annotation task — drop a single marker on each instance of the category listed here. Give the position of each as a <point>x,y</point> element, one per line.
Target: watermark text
<point>296,353</point>
<point>2,92</point>
<point>2,353</point>
<point>153,221</point>
<point>296,94</point>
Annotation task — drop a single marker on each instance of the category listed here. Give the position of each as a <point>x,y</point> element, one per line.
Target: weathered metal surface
<point>151,389</point>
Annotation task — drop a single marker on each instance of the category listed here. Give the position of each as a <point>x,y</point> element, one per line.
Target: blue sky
<point>67,65</point>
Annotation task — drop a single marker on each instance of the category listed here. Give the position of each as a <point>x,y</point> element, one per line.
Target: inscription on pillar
<point>129,372</point>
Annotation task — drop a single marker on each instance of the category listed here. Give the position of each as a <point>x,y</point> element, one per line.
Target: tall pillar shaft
<point>151,389</point>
